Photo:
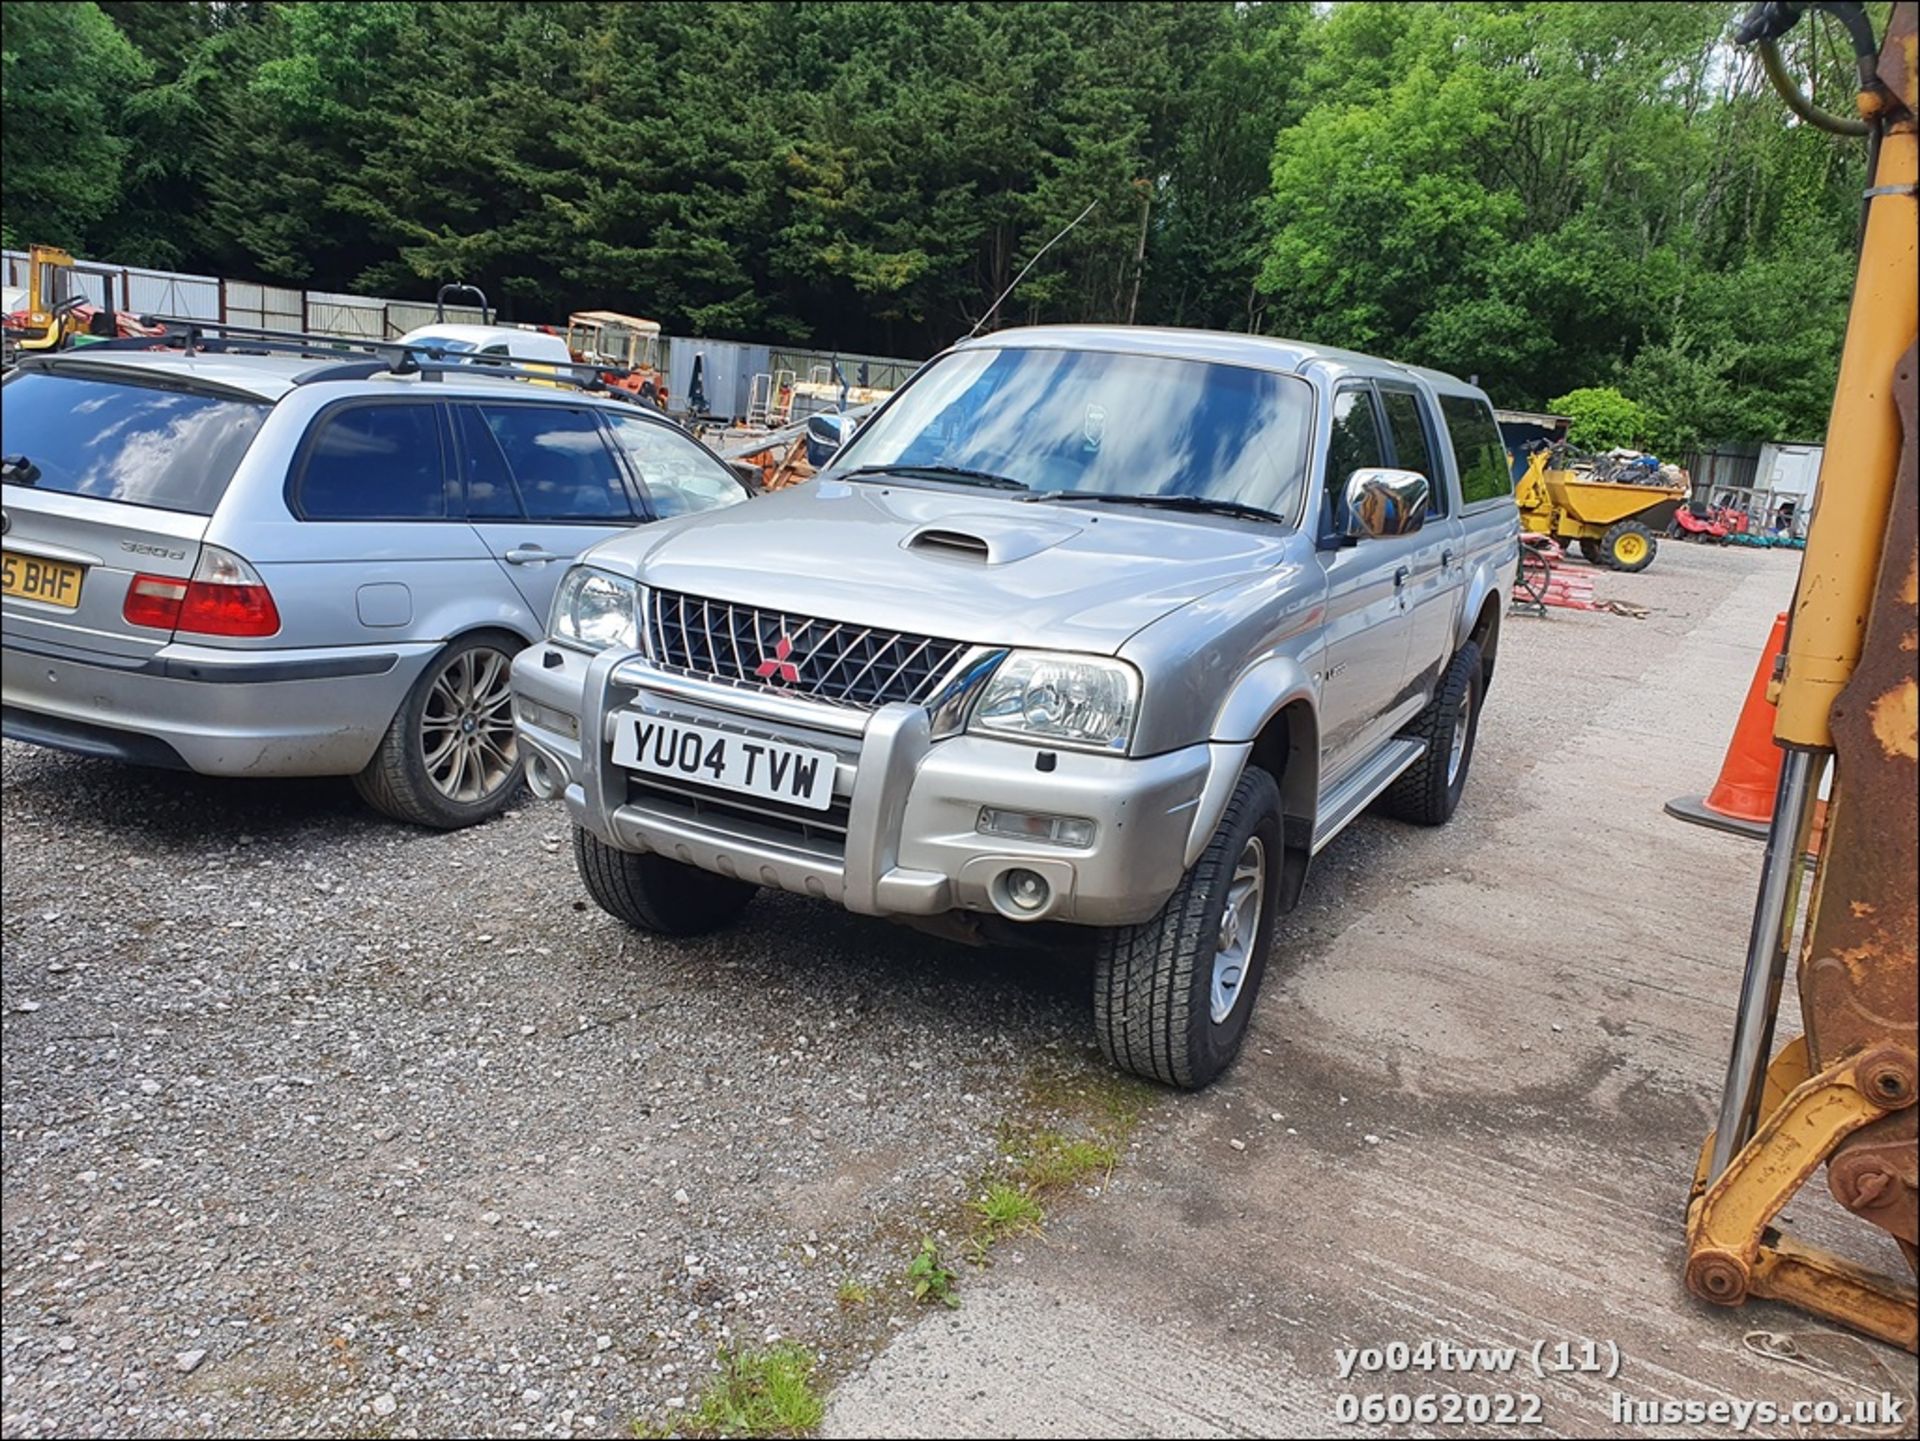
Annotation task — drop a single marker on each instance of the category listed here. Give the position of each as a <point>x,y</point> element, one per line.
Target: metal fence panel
<point>405,315</point>
<point>1728,468</point>
<point>352,317</point>
<point>271,307</point>
<point>167,292</point>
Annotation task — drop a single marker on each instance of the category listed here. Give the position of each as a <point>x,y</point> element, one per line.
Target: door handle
<point>1446,559</point>
<point>528,555</point>
<point>1400,577</point>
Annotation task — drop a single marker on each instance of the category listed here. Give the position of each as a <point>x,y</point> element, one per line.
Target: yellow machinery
<point>1614,524</point>
<point>1841,1096</point>
<point>627,345</point>
<point>42,325</point>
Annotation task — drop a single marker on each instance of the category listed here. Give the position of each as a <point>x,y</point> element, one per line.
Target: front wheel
<point>1172,995</point>
<point>652,893</point>
<point>1628,546</point>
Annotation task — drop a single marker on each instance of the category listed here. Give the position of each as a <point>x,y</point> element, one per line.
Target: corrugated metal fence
<point>364,317</point>
<point>241,302</point>
<point>1726,467</point>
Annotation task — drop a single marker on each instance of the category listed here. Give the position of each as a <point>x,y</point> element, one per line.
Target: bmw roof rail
<point>427,359</point>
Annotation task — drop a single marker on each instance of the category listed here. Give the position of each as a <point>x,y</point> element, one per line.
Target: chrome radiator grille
<point>850,664</point>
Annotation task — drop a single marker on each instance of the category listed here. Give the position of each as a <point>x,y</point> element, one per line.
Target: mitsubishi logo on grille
<point>778,668</point>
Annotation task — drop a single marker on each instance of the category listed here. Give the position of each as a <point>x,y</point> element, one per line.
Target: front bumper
<point>220,712</point>
<point>905,841</point>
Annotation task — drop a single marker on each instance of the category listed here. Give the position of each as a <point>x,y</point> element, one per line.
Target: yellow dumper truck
<point>1615,523</point>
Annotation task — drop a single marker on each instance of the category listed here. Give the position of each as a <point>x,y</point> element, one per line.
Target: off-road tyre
<point>1639,544</point>
<point>1427,792</point>
<point>652,893</point>
<point>1153,982</point>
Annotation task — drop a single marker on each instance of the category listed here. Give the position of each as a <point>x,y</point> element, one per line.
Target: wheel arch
<point>1270,719</point>
<point>1288,749</point>
<point>1485,633</point>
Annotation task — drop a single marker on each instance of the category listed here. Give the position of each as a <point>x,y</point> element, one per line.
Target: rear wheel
<point>1172,995</point>
<point>652,893</point>
<point>1428,791</point>
<point>449,757</point>
<point>1628,545</point>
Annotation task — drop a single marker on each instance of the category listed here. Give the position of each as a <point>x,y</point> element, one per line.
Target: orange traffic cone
<point>1741,800</point>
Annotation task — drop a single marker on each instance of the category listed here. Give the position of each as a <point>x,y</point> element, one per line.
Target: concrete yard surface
<point>1474,1094</point>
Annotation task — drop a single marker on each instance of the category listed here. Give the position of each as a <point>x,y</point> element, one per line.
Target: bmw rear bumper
<point>219,712</point>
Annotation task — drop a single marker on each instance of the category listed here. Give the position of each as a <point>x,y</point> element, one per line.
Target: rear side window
<point>680,474</point>
<point>559,461</point>
<point>1410,446</point>
<point>1478,451</point>
<point>171,448</point>
<point>489,484</point>
<point>374,462</point>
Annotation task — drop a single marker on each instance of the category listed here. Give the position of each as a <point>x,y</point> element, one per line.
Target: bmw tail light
<point>224,596</point>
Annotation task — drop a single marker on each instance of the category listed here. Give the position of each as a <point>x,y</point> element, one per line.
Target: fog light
<point>1028,889</point>
<point>1023,825</point>
<point>547,718</point>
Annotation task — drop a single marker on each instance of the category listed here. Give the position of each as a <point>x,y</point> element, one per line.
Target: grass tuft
<point>1049,1160</point>
<point>759,1392</point>
<point>851,1294</point>
<point>1008,1210</point>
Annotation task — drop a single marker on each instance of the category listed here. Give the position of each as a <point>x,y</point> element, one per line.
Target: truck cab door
<point>1435,588</point>
<point>1364,657</point>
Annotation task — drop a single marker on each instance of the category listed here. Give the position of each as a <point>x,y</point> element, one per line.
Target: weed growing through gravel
<point>929,1277</point>
<point>757,1393</point>
<point>1049,1160</point>
<point>851,1294</point>
<point>1008,1210</point>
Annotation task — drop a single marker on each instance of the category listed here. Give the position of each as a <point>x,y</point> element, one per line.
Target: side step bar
<point>1343,804</point>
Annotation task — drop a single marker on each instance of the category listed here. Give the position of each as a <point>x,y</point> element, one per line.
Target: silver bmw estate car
<point>247,557</point>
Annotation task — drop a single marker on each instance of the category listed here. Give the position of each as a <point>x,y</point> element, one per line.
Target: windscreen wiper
<point>957,473</point>
<point>1197,503</point>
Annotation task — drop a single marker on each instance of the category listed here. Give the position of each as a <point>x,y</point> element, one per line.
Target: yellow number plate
<point>33,578</point>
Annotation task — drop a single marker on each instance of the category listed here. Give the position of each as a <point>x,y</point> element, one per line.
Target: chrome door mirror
<point>1382,502</point>
<point>826,433</point>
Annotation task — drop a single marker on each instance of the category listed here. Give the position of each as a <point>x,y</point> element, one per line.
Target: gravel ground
<point>314,1124</point>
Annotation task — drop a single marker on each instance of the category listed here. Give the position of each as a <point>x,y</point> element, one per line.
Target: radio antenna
<point>1028,266</point>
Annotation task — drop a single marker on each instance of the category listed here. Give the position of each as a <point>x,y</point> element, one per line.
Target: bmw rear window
<point>158,445</point>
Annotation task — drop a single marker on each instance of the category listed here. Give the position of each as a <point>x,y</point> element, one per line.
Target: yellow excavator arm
<point>1841,1097</point>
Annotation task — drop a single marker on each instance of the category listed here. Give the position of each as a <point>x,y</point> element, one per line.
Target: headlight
<point>1069,700</point>
<point>596,609</point>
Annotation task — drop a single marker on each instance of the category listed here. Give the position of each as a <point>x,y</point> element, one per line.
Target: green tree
<point>1601,418</point>
<point>65,75</point>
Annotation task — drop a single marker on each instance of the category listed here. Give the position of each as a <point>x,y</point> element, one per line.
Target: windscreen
<point>1089,420</point>
<point>113,439</point>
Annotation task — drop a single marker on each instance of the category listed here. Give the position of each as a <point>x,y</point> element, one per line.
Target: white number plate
<point>796,775</point>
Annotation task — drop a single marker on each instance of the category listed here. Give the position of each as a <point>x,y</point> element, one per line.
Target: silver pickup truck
<point>1100,627</point>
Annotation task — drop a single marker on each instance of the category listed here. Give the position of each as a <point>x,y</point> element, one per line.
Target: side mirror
<point>1382,502</point>
<point>826,433</point>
